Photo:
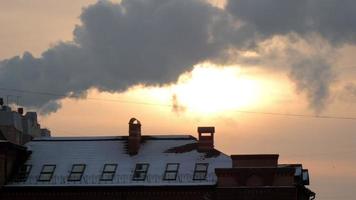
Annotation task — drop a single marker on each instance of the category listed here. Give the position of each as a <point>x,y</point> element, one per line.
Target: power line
<point>78,96</point>
<point>297,115</point>
<point>168,105</point>
<point>350,150</point>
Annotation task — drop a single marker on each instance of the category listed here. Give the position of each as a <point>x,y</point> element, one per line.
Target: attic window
<point>77,172</point>
<point>200,171</point>
<point>23,173</point>
<point>46,173</point>
<point>171,171</point>
<point>140,172</point>
<point>108,172</point>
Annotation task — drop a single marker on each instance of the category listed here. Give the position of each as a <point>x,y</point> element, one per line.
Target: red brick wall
<point>169,193</point>
<point>11,134</point>
<point>258,193</point>
<point>257,183</point>
<point>90,193</point>
<point>2,168</point>
<point>254,160</point>
<point>11,156</point>
<point>234,177</point>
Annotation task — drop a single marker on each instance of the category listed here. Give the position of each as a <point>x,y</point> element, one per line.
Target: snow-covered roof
<point>95,152</point>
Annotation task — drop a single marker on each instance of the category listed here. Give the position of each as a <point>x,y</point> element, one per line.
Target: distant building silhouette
<point>34,165</point>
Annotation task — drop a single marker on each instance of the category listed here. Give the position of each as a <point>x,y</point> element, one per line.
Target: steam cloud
<point>152,42</point>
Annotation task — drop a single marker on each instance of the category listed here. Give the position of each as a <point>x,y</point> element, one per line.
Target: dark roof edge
<point>117,138</point>
<point>73,187</point>
<point>8,144</point>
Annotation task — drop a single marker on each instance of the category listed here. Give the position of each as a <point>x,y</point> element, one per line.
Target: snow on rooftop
<point>182,137</point>
<point>95,152</point>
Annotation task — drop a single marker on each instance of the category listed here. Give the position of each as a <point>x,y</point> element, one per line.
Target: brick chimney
<point>206,139</point>
<point>134,139</point>
<point>20,111</point>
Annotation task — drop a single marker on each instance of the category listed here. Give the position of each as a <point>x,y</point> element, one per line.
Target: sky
<point>246,67</point>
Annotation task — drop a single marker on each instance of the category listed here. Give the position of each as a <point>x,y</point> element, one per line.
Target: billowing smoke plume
<point>152,42</point>
<point>117,46</point>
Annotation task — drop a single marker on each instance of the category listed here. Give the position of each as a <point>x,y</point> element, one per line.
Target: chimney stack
<point>206,138</point>
<point>134,139</point>
<point>20,111</point>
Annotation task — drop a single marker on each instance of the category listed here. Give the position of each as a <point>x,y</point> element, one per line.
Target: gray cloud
<point>119,45</point>
<point>333,19</point>
<point>313,76</point>
<point>310,64</point>
<point>152,42</point>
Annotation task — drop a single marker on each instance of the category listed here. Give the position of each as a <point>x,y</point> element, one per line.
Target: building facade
<point>137,166</point>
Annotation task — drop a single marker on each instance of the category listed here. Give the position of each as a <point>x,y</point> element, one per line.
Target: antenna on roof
<point>7,99</point>
<point>18,100</point>
<point>10,97</point>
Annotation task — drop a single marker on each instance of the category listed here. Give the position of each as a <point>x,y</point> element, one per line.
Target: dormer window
<point>46,173</point>
<point>140,172</point>
<point>76,172</point>
<point>23,173</point>
<point>171,171</point>
<point>108,172</point>
<point>200,171</point>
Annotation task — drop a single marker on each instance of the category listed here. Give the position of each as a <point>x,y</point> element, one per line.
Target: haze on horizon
<point>195,63</point>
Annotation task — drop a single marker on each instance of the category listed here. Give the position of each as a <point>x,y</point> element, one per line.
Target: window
<point>171,171</point>
<point>108,172</point>
<point>200,171</point>
<point>23,173</point>
<point>46,173</point>
<point>140,172</point>
<point>77,172</point>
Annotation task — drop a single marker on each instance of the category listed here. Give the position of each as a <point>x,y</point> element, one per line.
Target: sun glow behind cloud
<point>203,94</point>
<point>208,89</point>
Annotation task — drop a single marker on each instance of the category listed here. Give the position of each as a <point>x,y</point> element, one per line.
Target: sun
<point>210,89</point>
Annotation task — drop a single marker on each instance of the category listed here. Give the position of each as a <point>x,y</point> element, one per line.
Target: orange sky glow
<point>209,94</point>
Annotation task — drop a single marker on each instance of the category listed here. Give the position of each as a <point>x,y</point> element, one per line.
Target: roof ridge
<point>108,138</point>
